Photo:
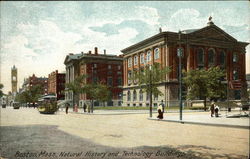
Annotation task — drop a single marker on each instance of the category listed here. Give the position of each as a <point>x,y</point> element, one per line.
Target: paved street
<point>27,134</point>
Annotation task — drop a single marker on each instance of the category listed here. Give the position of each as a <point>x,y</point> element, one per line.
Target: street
<point>27,134</point>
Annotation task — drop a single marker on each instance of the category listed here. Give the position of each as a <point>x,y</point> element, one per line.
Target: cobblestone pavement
<point>26,132</point>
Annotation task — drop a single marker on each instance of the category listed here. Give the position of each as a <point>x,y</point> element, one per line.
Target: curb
<point>205,124</point>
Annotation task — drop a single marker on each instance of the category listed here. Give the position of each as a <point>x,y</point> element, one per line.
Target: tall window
<point>200,58</point>
<point>119,81</point>
<point>135,60</point>
<point>109,67</point>
<point>235,74</point>
<point>128,96</point>
<point>141,95</point>
<point>142,58</point>
<point>129,62</point>
<point>147,96</point>
<point>222,58</point>
<point>129,77</point>
<point>211,57</point>
<point>110,81</point>
<point>148,58</point>
<point>118,67</point>
<point>157,53</point>
<point>235,57</point>
<point>134,96</point>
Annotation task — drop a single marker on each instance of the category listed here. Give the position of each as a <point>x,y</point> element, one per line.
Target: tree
<point>149,78</point>
<point>94,91</point>
<point>205,84</point>
<point>1,92</point>
<point>76,86</point>
<point>31,95</point>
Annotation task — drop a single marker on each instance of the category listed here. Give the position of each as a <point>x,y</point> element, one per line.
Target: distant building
<point>14,80</point>
<point>103,68</point>
<point>43,81</point>
<point>56,84</point>
<point>202,48</point>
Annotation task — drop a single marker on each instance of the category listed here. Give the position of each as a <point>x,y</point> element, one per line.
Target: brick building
<point>203,48</point>
<point>56,84</point>
<point>33,81</point>
<point>104,68</point>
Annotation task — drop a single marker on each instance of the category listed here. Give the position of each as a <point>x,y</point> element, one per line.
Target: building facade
<point>34,81</point>
<point>202,48</point>
<point>56,84</point>
<point>14,80</point>
<point>99,68</point>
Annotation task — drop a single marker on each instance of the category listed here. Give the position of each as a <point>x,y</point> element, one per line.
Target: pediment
<point>213,33</point>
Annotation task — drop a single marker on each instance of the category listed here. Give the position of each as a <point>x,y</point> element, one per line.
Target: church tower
<point>14,79</point>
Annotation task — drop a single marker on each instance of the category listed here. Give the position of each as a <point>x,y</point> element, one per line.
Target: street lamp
<point>180,54</point>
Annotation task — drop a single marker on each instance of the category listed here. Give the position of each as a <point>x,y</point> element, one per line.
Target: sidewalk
<point>205,119</point>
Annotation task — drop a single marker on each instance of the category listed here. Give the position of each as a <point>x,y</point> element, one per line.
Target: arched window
<point>200,57</point>
<point>235,57</point>
<point>211,57</point>
<point>135,60</point>
<point>141,95</point>
<point>148,58</point>
<point>134,95</point>
<point>156,53</point>
<point>147,96</point>
<point>142,58</point>
<point>222,58</point>
<point>129,96</point>
<point>235,74</point>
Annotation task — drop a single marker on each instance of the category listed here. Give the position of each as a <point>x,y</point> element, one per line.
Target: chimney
<point>96,50</point>
<point>104,51</point>
<point>160,30</point>
<point>89,52</point>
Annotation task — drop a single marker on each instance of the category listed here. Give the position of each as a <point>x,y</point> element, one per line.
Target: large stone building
<point>14,80</point>
<point>203,48</point>
<point>103,68</point>
<point>56,84</point>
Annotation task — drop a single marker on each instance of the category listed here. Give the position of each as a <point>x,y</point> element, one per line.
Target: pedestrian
<point>212,109</point>
<point>84,107</point>
<point>216,110</point>
<point>160,110</point>
<point>67,108</point>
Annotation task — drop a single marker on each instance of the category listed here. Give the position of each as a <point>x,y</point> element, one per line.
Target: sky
<point>37,36</point>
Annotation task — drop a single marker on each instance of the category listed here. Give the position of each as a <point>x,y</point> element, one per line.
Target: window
<point>129,77</point>
<point>237,94</point>
<point>128,96</point>
<point>222,58</point>
<point>120,96</point>
<point>200,58</point>
<point>119,67</point>
<point>135,60</point>
<point>235,57</point>
<point>157,53</point>
<point>147,96</point>
<point>141,95</point>
<point>119,81</point>
<point>119,72</point>
<point>110,81</point>
<point>142,58</point>
<point>130,62</point>
<point>156,97</point>
<point>211,57</point>
<point>235,74</point>
<point>95,65</point>
<point>134,95</point>
<point>95,79</point>
<point>109,72</point>
<point>109,67</point>
<point>148,58</point>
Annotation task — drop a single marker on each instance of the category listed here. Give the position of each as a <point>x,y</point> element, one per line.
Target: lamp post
<point>180,54</point>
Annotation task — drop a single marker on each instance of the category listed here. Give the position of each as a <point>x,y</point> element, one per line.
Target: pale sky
<point>37,36</point>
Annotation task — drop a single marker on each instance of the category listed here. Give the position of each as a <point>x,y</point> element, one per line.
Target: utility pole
<point>92,103</point>
<point>179,53</point>
<point>150,85</point>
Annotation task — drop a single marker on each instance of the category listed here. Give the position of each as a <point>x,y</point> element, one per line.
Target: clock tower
<point>14,79</point>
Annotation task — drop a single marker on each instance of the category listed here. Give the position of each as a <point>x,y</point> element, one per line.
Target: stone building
<point>104,68</point>
<point>56,84</point>
<point>202,48</point>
